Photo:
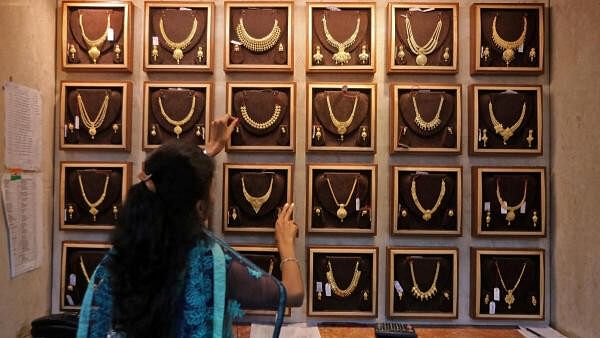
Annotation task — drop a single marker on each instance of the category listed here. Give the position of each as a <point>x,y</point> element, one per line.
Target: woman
<point>161,277</point>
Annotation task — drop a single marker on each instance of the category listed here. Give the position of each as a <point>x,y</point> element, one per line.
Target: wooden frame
<point>395,147</point>
<point>476,254</point>
<point>66,246</point>
<point>394,210</point>
<point>288,168</point>
<point>148,85</point>
<point>391,288</point>
<point>475,143</point>
<point>392,67</point>
<point>289,86</point>
<point>369,68</point>
<point>476,44</point>
<point>288,66</point>
<point>319,86</point>
<point>360,250</point>
<point>209,52</point>
<point>127,57</point>
<point>477,226</point>
<point>125,168</point>
<point>126,94</point>
<point>339,167</point>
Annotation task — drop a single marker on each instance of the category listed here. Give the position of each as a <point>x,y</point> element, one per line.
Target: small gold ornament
<point>446,55</point>
<point>365,295</point>
<point>237,129</point>
<point>200,54</point>
<point>363,134</point>
<point>484,138</point>
<point>117,51</point>
<point>234,214</point>
<point>72,51</point>
<point>451,213</point>
<point>486,54</point>
<point>447,295</point>
<point>363,57</point>
<point>70,211</point>
<point>488,219</point>
<point>281,48</point>
<point>155,53</point>
<point>532,54</point>
<point>115,212</point>
<point>535,218</point>
<point>486,300</point>
<point>71,126</point>
<point>115,128</point>
<point>198,131</point>
<point>283,130</point>
<point>236,48</point>
<point>318,211</point>
<point>319,295</point>
<point>533,301</point>
<point>153,131</point>
<point>401,54</point>
<point>318,133</point>
<point>404,213</point>
<point>530,137</point>
<point>317,56</point>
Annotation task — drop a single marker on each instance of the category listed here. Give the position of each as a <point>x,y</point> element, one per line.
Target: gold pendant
<point>509,299</point>
<point>94,53</point>
<point>92,132</point>
<point>115,212</point>
<point>341,57</point>
<point>93,211</point>
<point>508,55</point>
<point>177,130</point>
<point>421,58</point>
<point>342,130</point>
<point>155,53</point>
<point>177,54</point>
<point>510,216</point>
<point>427,215</point>
<point>341,212</point>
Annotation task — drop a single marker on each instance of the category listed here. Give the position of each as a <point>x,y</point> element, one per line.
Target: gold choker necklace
<point>256,202</point>
<point>508,47</point>
<point>177,123</point>
<point>93,125</point>
<point>510,297</point>
<point>506,133</point>
<point>260,125</point>
<point>341,212</point>
<point>427,212</point>
<point>93,45</point>
<point>341,57</point>
<point>83,269</point>
<point>258,44</point>
<point>427,125</point>
<point>93,206</point>
<point>178,46</point>
<point>342,126</point>
<point>428,48</point>
<point>510,215</point>
<point>335,288</point>
<point>416,291</point>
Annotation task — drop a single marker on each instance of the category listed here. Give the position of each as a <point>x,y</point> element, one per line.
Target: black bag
<point>60,325</point>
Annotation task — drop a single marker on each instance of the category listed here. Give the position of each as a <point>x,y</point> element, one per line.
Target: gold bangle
<point>289,259</point>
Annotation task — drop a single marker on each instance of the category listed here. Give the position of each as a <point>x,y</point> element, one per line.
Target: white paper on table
<point>546,332</point>
<point>22,203</point>
<point>300,330</point>
<point>22,126</point>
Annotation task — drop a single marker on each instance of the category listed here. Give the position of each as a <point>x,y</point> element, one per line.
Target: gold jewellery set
<point>255,44</point>
<point>93,206</point>
<point>416,291</point>
<point>341,212</point>
<point>93,125</point>
<point>94,45</point>
<point>177,129</point>
<point>421,51</point>
<point>431,124</point>
<point>177,47</point>
<point>508,47</point>
<point>257,201</point>
<point>260,125</point>
<point>344,293</point>
<point>342,126</point>
<point>510,209</point>
<point>427,212</point>
<point>342,56</point>
<point>509,298</point>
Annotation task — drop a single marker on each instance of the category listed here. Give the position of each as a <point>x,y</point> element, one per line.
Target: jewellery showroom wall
<point>389,161</point>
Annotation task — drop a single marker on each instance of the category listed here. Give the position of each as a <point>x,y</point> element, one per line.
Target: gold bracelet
<point>289,259</point>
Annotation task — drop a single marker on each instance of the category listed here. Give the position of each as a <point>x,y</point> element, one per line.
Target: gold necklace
<point>178,46</point>
<point>258,44</point>
<point>93,125</point>
<point>256,201</point>
<point>93,206</point>
<point>260,125</point>
<point>506,133</point>
<point>510,215</point>
<point>428,48</point>
<point>341,212</point>
<point>342,126</point>
<point>508,47</point>
<point>428,125</point>
<point>427,212</point>
<point>177,123</point>
<point>83,269</point>
<point>510,297</point>
<point>335,288</point>
<point>341,57</point>
<point>93,50</point>
<point>416,291</point>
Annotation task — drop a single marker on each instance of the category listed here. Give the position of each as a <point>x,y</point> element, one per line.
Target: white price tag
<point>77,122</point>
<point>492,310</point>
<point>479,135</point>
<point>503,208</point>
<point>65,131</point>
<point>110,36</point>
<point>497,294</point>
<point>521,48</point>
<point>70,300</point>
<point>155,41</point>
<point>72,279</point>
<point>314,131</point>
<point>319,287</point>
<point>487,206</point>
<point>481,53</point>
<point>65,212</point>
<point>184,9</point>
<point>398,287</point>
<point>357,203</point>
<point>523,208</point>
<point>327,290</point>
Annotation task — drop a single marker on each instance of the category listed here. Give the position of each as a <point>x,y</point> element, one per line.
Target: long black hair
<point>156,231</point>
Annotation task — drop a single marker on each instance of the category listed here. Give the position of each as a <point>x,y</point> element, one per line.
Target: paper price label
<point>357,203</point>
<point>70,300</point>
<point>487,206</point>
<point>497,294</point>
<point>492,309</point>
<point>77,122</point>
<point>523,208</point>
<point>327,290</point>
<point>110,36</point>
<point>398,287</point>
<point>503,208</point>
<point>155,41</point>
<point>319,287</point>
<point>72,279</point>
<point>521,48</point>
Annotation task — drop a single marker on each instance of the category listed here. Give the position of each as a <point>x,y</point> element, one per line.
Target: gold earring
<point>532,54</point>
<point>71,127</point>
<point>283,130</point>
<point>234,214</point>
<point>534,218</point>
<point>486,300</point>
<point>401,53</point>
<point>117,52</point>
<point>488,218</point>
<point>366,295</point>
<point>318,133</point>
<point>486,54</point>
<point>153,131</point>
<point>237,129</point>
<point>115,211</point>
<point>530,137</point>
<point>155,53</point>
<point>318,211</point>
<point>363,134</point>
<point>404,213</point>
<point>70,211</point>
<point>198,132</point>
<point>446,55</point>
<point>533,301</point>
<point>72,50</point>
<point>451,212</point>
<point>363,56</point>
<point>281,49</point>
<point>115,128</point>
<point>200,54</point>
<point>317,56</point>
<point>447,295</point>
<point>236,48</point>
<point>484,138</point>
<point>319,294</point>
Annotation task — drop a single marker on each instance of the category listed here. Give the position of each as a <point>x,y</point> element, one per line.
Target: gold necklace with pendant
<point>177,123</point>
<point>83,269</point>
<point>341,212</point>
<point>93,45</point>
<point>93,206</point>
<point>93,125</point>
<point>427,212</point>
<point>341,57</point>
<point>416,291</point>
<point>256,201</point>
<point>508,47</point>
<point>178,46</point>
<point>342,126</point>
<point>427,125</point>
<point>335,288</point>
<point>510,297</point>
<point>422,51</point>
<point>258,44</point>
<point>506,133</point>
<point>510,210</point>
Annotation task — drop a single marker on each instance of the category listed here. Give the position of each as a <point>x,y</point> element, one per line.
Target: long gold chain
<point>257,201</point>
<point>416,291</point>
<point>177,123</point>
<point>83,269</point>
<point>178,46</point>
<point>508,47</point>
<point>93,125</point>
<point>427,212</point>
<point>93,205</point>
<point>258,44</point>
<point>428,48</point>
<point>342,126</point>
<point>510,297</point>
<point>341,57</point>
<point>341,212</point>
<point>335,288</point>
<point>93,50</point>
<point>428,125</point>
<point>510,214</point>
<point>506,133</point>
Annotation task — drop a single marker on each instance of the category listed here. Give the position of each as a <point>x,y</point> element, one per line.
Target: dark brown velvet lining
<point>94,24</point>
<point>178,25</point>
<point>258,23</point>
<point>507,109</point>
<point>427,102</point>
<point>510,267</point>
<point>93,182</point>
<point>428,189</point>
<point>511,189</point>
<point>91,258</point>
<point>343,269</point>
<point>263,260</point>
<point>257,184</point>
<point>341,25</point>
<point>423,25</point>
<point>509,26</point>
<point>424,269</point>
<point>92,100</point>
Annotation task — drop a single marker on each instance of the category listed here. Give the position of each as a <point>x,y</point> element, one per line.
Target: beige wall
<point>26,53</point>
<point>575,159</point>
